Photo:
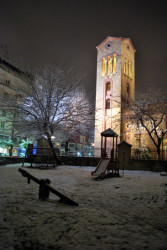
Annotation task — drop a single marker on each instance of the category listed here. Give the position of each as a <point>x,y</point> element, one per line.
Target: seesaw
<point>45,188</point>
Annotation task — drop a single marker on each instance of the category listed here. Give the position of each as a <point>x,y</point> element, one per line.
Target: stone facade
<point>115,80</point>
<point>10,78</point>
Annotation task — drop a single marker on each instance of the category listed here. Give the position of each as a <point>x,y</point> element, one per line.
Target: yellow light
<point>114,64</point>
<point>103,67</point>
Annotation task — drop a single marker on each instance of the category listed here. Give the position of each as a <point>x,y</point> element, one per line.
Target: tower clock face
<point>108,45</point>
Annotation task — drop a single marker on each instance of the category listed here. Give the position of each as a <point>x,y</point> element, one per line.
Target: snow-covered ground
<point>116,213</point>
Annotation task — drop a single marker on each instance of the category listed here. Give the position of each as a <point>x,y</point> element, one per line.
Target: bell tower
<point>115,83</point>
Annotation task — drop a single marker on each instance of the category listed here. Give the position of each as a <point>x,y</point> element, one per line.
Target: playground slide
<point>101,168</point>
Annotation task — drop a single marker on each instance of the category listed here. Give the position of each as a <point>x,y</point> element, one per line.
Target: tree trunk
<point>53,150</point>
<point>158,153</point>
<point>10,151</point>
<point>66,148</point>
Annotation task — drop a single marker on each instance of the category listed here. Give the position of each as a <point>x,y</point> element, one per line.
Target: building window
<point>6,95</point>
<point>128,68</point>
<point>139,126</point>
<point>7,82</point>
<point>2,125</point>
<point>108,86</point>
<point>125,67</point>
<point>114,64</point>
<point>103,67</point>
<point>108,104</point>
<point>82,139</point>
<point>3,113</point>
<point>19,98</point>
<point>108,65</point>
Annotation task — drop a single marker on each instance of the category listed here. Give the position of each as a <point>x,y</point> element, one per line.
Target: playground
<point>116,213</point>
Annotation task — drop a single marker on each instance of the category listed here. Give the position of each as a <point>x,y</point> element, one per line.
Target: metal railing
<point>148,154</point>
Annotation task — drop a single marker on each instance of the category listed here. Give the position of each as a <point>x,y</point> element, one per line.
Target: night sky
<point>66,32</point>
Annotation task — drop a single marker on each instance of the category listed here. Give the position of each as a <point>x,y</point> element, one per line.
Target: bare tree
<point>50,103</point>
<point>149,110</point>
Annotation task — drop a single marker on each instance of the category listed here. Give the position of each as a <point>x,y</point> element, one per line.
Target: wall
<point>80,161</point>
<point>147,165</point>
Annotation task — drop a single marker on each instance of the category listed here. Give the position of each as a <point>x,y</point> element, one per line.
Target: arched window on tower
<point>131,70</point>
<point>108,86</point>
<point>125,66</point>
<point>108,104</point>
<point>108,65</point>
<point>114,64</point>
<point>128,68</point>
<point>103,67</point>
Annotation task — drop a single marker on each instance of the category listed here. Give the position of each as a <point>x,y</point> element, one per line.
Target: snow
<point>116,213</point>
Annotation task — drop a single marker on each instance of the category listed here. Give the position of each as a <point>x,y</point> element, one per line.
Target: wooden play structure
<point>42,154</point>
<point>108,165</point>
<point>45,188</point>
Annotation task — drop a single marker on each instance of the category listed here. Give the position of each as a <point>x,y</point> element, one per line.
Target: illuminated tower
<point>115,80</point>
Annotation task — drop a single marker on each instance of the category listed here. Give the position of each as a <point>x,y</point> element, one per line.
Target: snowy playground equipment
<point>45,188</point>
<point>41,154</point>
<point>108,164</point>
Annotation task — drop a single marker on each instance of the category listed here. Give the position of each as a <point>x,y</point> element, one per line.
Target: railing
<point>147,154</point>
<point>142,153</point>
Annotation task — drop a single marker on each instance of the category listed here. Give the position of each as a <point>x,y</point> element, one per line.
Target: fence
<point>140,154</point>
<point>148,154</point>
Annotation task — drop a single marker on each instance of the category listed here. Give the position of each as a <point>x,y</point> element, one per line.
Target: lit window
<point>108,65</point>
<point>108,104</point>
<point>108,86</point>
<point>114,64</point>
<point>125,67</point>
<point>139,125</point>
<point>131,70</point>
<point>103,67</point>
<point>128,68</point>
<point>19,98</point>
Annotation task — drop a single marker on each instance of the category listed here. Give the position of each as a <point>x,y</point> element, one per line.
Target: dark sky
<point>66,32</point>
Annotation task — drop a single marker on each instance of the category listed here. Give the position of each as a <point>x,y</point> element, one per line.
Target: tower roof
<point>115,38</point>
<point>109,133</point>
<point>125,143</point>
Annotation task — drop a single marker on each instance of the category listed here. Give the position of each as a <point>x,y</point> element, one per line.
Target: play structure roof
<point>109,133</point>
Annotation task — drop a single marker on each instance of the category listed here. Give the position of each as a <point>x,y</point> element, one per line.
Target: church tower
<point>115,83</point>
